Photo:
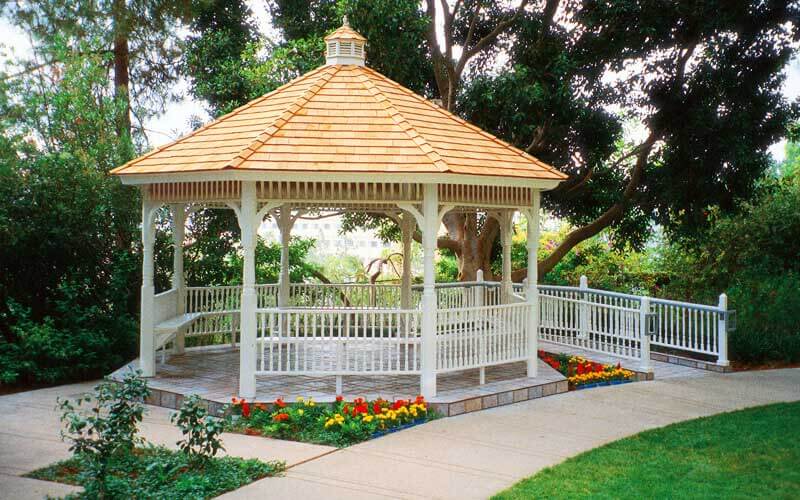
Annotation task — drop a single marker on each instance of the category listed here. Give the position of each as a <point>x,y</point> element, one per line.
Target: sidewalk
<point>469,456</point>
<point>479,454</point>
<point>29,439</point>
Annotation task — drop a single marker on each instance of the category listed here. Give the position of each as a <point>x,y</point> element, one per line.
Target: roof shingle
<point>341,118</point>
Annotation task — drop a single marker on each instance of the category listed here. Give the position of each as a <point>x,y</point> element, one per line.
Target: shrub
<point>201,431</point>
<point>107,430</point>
<point>767,310</point>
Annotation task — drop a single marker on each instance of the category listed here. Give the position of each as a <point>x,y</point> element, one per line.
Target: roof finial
<point>345,45</point>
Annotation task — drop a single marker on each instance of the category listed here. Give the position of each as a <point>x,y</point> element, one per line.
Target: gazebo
<point>343,137</point>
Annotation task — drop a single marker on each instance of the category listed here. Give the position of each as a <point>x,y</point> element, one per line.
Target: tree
<point>702,80</point>
<point>698,82</point>
<point>222,32</point>
<point>139,35</point>
<point>67,231</point>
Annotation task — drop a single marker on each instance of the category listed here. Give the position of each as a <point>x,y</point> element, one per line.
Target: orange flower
<point>279,403</point>
<point>261,406</point>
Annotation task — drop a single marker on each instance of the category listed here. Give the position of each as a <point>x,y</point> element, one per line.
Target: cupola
<point>345,46</point>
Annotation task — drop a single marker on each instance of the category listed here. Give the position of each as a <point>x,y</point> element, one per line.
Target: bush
<point>767,309</point>
<point>107,431</point>
<point>201,431</point>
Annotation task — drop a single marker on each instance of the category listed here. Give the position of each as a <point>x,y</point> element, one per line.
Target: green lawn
<point>753,453</point>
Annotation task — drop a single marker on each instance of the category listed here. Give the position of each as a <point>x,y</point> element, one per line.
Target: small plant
<point>201,431</point>
<point>107,429</point>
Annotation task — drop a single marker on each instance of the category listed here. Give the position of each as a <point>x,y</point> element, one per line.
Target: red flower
<point>234,400</point>
<point>420,400</point>
<point>346,409</point>
<point>376,408</point>
<point>360,408</point>
<point>398,404</point>
<point>279,403</point>
<point>339,399</point>
<point>245,409</point>
<point>280,417</point>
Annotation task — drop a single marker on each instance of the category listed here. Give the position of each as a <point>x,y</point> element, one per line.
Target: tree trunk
<point>122,65</point>
<point>471,243</point>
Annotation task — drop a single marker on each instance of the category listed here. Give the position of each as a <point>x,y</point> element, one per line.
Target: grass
<point>752,453</point>
<point>156,472</point>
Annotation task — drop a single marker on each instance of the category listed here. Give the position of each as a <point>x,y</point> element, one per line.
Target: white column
<point>147,351</point>
<point>285,224</point>
<point>584,308</point>
<point>722,331</point>
<point>533,280</point>
<point>505,241</point>
<point>644,336</point>
<point>247,347</point>
<point>430,214</point>
<point>407,225</point>
<point>178,281</point>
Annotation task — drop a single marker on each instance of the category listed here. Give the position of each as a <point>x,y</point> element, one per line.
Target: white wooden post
<point>584,309</point>
<point>248,223</point>
<point>505,220</point>
<point>285,224</point>
<point>430,208</point>
<point>722,331</point>
<point>479,298</point>
<point>480,290</point>
<point>407,225</point>
<point>533,280</point>
<point>644,335</point>
<point>178,280</point>
<point>147,351</point>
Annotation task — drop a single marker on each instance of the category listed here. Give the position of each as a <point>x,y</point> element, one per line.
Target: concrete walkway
<point>469,456</point>
<point>29,440</point>
<point>479,454</point>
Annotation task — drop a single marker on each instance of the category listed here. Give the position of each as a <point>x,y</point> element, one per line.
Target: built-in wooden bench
<point>167,330</point>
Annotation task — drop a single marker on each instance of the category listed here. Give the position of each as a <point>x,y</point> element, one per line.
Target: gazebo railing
<point>610,322</point>
<point>605,326</point>
<point>474,337</point>
<point>341,295</point>
<point>598,320</point>
<point>319,341</point>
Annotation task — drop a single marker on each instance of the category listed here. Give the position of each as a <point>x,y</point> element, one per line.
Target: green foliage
<point>156,472</point>
<point>111,461</point>
<point>107,430</point>
<point>717,116</point>
<point>68,232</point>
<point>752,256</point>
<point>200,430</point>
<point>446,266</point>
<point>743,453</point>
<point>222,31</point>
<point>767,307</point>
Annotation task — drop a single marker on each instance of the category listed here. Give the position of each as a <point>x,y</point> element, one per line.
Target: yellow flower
<point>300,399</point>
<point>300,411</point>
<point>368,418</point>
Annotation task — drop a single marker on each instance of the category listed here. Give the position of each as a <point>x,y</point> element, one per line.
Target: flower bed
<point>582,373</point>
<point>341,424</point>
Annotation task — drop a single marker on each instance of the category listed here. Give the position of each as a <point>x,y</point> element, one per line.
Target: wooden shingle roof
<point>341,118</point>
